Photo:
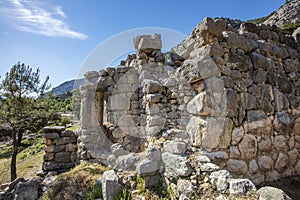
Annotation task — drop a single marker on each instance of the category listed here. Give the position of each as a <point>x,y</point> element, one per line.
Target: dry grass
<point>29,161</point>
<point>75,184</point>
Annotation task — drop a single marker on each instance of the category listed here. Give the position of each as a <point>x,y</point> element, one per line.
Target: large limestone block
<point>258,122</point>
<point>200,104</point>
<point>209,167</point>
<point>175,147</point>
<point>217,133</point>
<point>268,193</point>
<point>145,42</point>
<point>284,123</point>
<point>220,179</point>
<point>281,102</point>
<point>110,185</point>
<point>147,167</point>
<point>265,163</point>
<point>26,190</point>
<point>177,164</point>
<point>237,135</point>
<point>248,147</point>
<point>185,187</point>
<point>296,129</point>
<point>119,102</point>
<point>88,117</point>
<point>194,130</point>
<point>210,28</point>
<point>240,186</point>
<point>127,162</point>
<point>237,166</point>
<point>235,41</point>
<point>281,163</point>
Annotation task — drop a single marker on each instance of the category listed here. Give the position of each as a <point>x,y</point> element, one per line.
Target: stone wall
<point>229,94</point>
<point>61,149</point>
<point>260,71</point>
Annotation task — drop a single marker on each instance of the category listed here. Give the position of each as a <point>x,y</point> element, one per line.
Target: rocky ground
<point>291,186</point>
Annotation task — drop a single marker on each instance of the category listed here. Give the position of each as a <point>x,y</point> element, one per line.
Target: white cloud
<point>58,11</point>
<point>31,17</point>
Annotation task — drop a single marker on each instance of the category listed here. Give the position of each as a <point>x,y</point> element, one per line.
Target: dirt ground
<point>291,186</point>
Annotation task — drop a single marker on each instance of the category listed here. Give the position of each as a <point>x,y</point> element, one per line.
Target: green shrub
<point>123,195</point>
<point>290,28</point>
<point>96,193</point>
<point>64,121</point>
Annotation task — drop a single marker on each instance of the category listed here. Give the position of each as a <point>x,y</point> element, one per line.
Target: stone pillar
<point>100,107</point>
<point>88,116</point>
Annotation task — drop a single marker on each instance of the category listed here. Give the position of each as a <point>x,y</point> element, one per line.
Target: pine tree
<point>22,105</point>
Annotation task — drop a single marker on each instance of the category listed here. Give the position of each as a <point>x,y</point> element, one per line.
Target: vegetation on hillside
<point>261,19</point>
<point>290,28</point>
<point>29,158</point>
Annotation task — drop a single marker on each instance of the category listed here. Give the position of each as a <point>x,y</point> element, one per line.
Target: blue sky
<point>58,35</point>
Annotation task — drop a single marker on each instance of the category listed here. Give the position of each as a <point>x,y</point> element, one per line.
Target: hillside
<point>289,13</point>
<point>68,86</point>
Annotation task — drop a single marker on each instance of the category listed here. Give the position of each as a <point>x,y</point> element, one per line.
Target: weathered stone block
<point>53,129</point>
<point>259,61</point>
<point>281,162</point>
<point>153,153</point>
<point>65,140</point>
<point>55,148</point>
<point>209,167</point>
<point>194,129</point>
<point>67,133</point>
<point>238,167</point>
<point>248,147</point>
<point>293,156</point>
<point>253,167</point>
<point>152,87</point>
<point>147,167</point>
<point>175,147</point>
<point>110,185</point>
<point>127,162</point>
<point>267,192</point>
<point>284,123</point>
<point>185,187</point>
<point>265,143</point>
<point>145,42</point>
<point>280,143</point>
<point>52,135</point>
<point>240,186</point>
<point>62,157</point>
<point>70,147</point>
<point>200,104</point>
<point>178,164</point>
<point>237,135</point>
<point>48,156</point>
<point>220,179</point>
<point>234,152</point>
<point>265,163</point>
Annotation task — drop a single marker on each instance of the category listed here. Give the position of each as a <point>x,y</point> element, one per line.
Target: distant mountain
<point>68,86</point>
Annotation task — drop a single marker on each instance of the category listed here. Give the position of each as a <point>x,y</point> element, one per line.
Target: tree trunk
<point>20,135</point>
<point>13,164</point>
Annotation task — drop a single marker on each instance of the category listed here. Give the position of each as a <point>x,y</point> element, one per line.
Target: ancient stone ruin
<point>223,103</point>
<point>231,95</point>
